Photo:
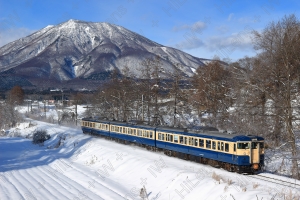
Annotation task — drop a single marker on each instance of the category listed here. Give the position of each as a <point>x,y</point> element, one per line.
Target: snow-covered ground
<point>72,165</point>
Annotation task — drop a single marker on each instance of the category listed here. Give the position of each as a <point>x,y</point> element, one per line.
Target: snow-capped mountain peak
<point>78,49</point>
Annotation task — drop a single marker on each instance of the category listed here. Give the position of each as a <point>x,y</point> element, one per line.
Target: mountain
<point>75,52</point>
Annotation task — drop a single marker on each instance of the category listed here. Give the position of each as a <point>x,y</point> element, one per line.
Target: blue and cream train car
<point>241,153</point>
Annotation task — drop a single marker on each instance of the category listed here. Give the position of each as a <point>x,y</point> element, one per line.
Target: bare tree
<point>279,43</point>
<point>15,95</point>
<point>212,86</point>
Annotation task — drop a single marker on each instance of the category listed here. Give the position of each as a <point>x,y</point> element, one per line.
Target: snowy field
<point>72,165</point>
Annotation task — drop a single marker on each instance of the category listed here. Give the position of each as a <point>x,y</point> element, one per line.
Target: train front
<point>250,154</point>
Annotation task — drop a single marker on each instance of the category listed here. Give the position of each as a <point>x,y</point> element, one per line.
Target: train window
<point>181,139</point>
<point>219,146</point>
<point>191,141</point>
<point>244,145</point>
<point>162,136</point>
<point>151,134</point>
<point>93,124</point>
<point>112,128</point>
<point>226,147</point>
<point>171,138</point>
<point>148,135</point>
<point>159,136</point>
<point>201,143</point>
<point>140,132</point>
<point>167,137</point>
<point>208,144</point>
<point>196,142</point>
<point>176,138</point>
<point>254,145</point>
<point>222,146</point>
<point>214,145</point>
<point>185,140</point>
<point>234,147</point>
<point>261,145</point>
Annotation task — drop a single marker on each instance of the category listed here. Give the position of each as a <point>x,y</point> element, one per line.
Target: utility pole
<point>76,112</point>
<point>62,100</point>
<point>45,108</point>
<point>142,107</point>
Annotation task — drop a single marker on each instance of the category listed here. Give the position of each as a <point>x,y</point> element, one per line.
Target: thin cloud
<point>234,42</point>
<point>10,35</point>
<point>230,16</point>
<point>189,43</point>
<point>197,26</point>
<point>223,29</point>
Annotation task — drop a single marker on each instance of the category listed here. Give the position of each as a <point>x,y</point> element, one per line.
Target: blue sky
<point>203,28</point>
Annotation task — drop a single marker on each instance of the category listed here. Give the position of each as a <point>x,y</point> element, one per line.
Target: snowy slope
<point>86,167</point>
<point>82,49</point>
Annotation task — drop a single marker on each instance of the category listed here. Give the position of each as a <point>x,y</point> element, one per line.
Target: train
<point>232,152</point>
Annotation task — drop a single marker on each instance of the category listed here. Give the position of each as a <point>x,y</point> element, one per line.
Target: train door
<point>254,152</point>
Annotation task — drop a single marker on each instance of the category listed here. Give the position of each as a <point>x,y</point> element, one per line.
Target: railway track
<point>277,181</point>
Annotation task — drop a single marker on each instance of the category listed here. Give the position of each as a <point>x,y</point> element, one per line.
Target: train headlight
<point>255,166</point>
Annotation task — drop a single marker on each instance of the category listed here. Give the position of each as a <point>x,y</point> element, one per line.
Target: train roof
<point>120,123</point>
<point>209,132</point>
<point>225,136</point>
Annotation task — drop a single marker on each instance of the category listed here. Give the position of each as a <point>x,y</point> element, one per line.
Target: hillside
<point>76,52</point>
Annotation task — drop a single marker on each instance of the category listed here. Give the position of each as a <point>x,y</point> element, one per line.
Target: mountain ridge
<point>78,49</point>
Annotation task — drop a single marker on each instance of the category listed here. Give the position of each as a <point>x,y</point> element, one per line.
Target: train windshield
<point>243,145</point>
<point>261,145</point>
<point>254,145</point>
